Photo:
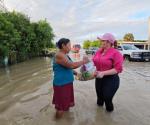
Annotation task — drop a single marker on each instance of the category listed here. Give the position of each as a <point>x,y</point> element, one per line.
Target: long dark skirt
<point>63,97</point>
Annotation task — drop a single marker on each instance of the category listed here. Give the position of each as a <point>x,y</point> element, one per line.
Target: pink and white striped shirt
<point>111,59</point>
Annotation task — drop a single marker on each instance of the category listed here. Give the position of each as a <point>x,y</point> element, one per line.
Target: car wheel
<point>127,58</point>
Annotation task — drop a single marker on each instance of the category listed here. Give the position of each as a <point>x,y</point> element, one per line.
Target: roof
<point>139,43</point>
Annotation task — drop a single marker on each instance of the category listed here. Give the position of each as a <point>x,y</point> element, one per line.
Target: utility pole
<point>149,33</point>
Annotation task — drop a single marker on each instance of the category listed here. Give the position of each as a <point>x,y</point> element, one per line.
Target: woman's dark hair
<point>61,42</point>
<point>115,44</point>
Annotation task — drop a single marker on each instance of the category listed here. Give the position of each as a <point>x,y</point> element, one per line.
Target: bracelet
<point>75,73</point>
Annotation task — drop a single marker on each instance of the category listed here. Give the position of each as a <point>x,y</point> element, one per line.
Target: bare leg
<point>59,114</point>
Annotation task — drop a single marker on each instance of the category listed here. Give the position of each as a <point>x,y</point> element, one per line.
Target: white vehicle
<point>131,52</point>
<point>91,50</point>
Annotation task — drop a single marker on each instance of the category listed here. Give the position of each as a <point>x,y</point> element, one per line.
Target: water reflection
<point>26,93</point>
<point>7,70</point>
<point>21,79</point>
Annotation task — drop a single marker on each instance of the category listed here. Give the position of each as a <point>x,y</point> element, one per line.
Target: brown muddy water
<point>26,95</point>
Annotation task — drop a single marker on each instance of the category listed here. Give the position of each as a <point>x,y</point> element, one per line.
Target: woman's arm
<point>61,59</point>
<point>117,62</point>
<point>107,72</point>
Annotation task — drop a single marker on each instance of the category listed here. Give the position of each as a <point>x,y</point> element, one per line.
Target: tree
<point>21,37</point>
<point>86,44</point>
<point>8,36</point>
<point>128,37</point>
<point>44,34</point>
<point>95,43</point>
<point>21,24</point>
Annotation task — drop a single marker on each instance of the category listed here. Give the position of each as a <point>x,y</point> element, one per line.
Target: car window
<point>130,47</point>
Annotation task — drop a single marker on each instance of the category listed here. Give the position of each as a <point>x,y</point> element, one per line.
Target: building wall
<point>149,33</point>
<point>149,29</point>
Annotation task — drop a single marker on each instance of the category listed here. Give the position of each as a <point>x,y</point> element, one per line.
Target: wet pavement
<point>26,95</point>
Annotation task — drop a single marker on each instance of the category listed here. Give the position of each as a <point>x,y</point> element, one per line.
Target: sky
<point>80,20</point>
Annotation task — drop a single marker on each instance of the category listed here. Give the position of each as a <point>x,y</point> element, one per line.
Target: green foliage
<point>88,43</point>
<point>129,37</point>
<point>23,38</point>
<point>95,43</point>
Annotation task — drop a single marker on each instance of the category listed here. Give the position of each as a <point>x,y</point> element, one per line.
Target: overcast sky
<point>86,19</point>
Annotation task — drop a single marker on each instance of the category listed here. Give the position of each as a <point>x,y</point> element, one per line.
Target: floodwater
<point>26,95</point>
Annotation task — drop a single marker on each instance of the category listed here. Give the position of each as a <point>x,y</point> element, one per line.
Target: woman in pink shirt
<point>108,62</point>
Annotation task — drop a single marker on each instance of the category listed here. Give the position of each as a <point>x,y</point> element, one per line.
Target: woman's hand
<point>95,73</point>
<point>85,59</point>
<point>78,76</point>
<point>100,74</point>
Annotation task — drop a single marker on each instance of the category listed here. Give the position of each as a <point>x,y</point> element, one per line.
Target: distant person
<point>63,66</point>
<point>108,62</point>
